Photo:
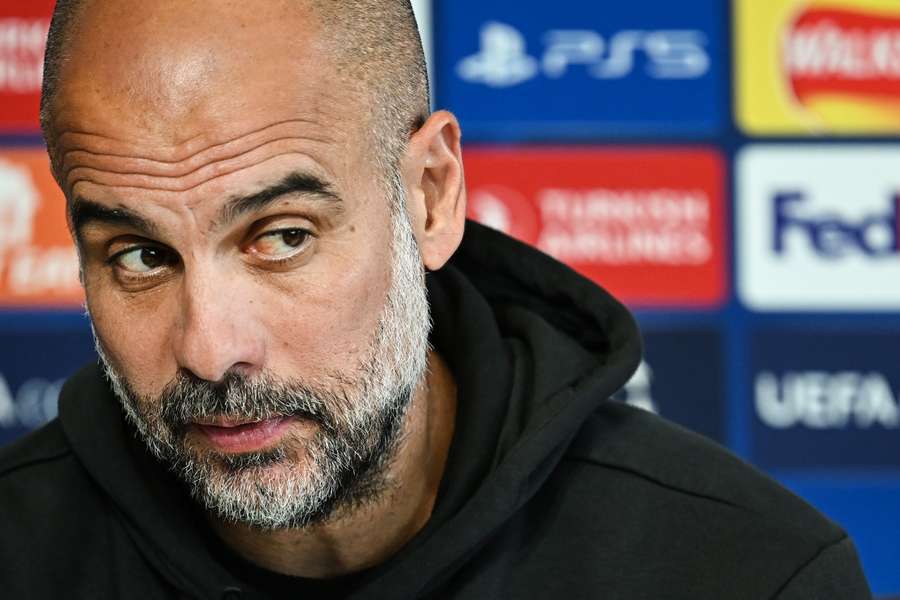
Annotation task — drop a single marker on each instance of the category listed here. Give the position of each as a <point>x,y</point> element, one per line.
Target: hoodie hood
<point>535,348</point>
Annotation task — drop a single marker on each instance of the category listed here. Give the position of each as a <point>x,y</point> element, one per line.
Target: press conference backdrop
<point>730,170</point>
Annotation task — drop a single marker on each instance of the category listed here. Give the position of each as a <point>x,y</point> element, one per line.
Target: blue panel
<point>682,378</point>
<point>825,399</point>
<point>868,511</point>
<point>573,69</point>
<point>33,367</point>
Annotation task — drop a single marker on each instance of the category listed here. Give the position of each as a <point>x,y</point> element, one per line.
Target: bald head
<point>372,48</point>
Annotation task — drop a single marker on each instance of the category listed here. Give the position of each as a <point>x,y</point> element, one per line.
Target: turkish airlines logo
<point>505,209</point>
<point>605,225</point>
<point>841,51</point>
<point>647,224</point>
<point>503,59</point>
<point>826,400</point>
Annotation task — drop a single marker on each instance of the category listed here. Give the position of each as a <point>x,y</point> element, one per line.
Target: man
<point>268,221</point>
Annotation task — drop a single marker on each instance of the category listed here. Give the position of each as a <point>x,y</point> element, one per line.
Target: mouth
<point>240,436</point>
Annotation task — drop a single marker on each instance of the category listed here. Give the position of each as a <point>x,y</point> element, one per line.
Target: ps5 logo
<point>503,59</point>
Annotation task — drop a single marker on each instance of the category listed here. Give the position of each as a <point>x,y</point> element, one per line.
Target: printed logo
<point>648,225</point>
<point>829,235</point>
<point>503,61</point>
<point>23,34</point>
<point>818,66</point>
<point>582,70</point>
<point>825,399</point>
<point>818,227</point>
<point>38,263</point>
<point>666,382</point>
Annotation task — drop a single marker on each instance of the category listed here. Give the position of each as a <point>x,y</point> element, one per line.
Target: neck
<point>360,537</point>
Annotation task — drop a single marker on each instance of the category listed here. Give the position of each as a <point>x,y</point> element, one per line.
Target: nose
<point>216,332</point>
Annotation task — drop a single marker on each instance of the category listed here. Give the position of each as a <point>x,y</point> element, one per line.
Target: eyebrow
<point>294,183</point>
<point>84,211</point>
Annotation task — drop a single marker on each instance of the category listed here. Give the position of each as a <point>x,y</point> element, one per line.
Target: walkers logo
<point>38,263</point>
<point>818,227</point>
<point>33,366</point>
<point>825,399</point>
<point>580,69</point>
<point>817,66</point>
<point>681,379</point>
<point>23,34</point>
<point>646,224</point>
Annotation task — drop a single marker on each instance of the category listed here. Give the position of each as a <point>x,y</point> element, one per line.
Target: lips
<point>236,436</point>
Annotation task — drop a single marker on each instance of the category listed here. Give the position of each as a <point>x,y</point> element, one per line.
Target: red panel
<point>646,224</point>
<point>38,262</point>
<point>23,34</point>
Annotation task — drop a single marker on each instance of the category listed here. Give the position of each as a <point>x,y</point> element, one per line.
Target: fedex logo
<point>830,235</point>
<point>503,60</point>
<point>818,227</point>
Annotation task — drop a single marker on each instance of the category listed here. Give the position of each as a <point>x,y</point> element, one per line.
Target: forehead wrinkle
<point>139,166</point>
<point>158,183</point>
<point>192,156</point>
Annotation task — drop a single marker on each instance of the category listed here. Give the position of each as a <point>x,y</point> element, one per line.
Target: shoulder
<point>41,479</point>
<point>44,447</point>
<point>691,512</point>
<point>675,461</point>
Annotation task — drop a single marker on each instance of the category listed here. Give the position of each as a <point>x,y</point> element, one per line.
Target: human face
<point>233,230</point>
<point>295,482</point>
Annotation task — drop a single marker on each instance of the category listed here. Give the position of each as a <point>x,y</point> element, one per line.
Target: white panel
<point>838,227</point>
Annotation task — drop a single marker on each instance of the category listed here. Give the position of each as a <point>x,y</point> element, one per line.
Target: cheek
<point>134,336</point>
<point>328,325</point>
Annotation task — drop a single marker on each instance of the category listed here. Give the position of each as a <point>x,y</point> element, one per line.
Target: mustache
<point>187,399</point>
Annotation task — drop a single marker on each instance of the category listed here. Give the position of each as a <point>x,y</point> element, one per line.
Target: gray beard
<point>358,413</point>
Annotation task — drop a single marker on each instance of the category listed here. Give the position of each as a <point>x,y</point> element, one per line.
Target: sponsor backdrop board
<point>38,262</point>
<point>23,29</point>
<point>817,66</point>
<point>825,399</point>
<point>817,227</point>
<point>572,69</point>
<point>681,378</point>
<point>648,224</point>
<point>33,367</point>
<point>727,168</point>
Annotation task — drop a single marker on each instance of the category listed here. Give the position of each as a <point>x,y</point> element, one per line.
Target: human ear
<point>436,191</point>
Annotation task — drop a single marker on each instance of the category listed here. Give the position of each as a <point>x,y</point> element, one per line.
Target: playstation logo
<point>501,60</point>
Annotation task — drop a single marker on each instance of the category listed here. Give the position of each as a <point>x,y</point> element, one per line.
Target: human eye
<point>142,262</point>
<point>282,244</point>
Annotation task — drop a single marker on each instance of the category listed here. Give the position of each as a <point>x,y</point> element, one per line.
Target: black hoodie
<point>550,490</point>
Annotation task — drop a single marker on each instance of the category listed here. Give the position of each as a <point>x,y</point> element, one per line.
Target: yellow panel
<point>767,102</point>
